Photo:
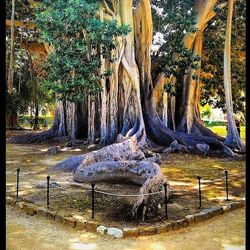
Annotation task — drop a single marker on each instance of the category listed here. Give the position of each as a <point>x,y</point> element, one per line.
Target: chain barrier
<point>55,185</point>
<point>212,181</point>
<point>92,191</point>
<point>204,181</point>
<point>128,195</point>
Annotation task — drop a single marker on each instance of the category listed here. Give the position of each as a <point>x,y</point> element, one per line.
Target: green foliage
<point>212,60</point>
<point>206,112</point>
<point>78,38</point>
<point>26,86</point>
<point>28,121</point>
<point>214,123</point>
<point>173,19</point>
<point>24,13</point>
<point>18,101</point>
<point>169,88</point>
<point>15,103</point>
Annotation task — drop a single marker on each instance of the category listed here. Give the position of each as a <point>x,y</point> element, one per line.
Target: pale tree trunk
<point>131,81</point>
<point>193,41</point>
<point>36,120</point>
<point>104,110</point>
<point>11,118</point>
<point>143,24</point>
<point>165,108</point>
<point>233,137</point>
<point>91,119</point>
<point>10,74</point>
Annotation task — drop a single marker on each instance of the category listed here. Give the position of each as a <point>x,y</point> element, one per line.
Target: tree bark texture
<point>233,138</point>
<point>11,118</point>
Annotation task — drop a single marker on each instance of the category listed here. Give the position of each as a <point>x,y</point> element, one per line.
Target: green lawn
<point>221,130</point>
<point>24,121</point>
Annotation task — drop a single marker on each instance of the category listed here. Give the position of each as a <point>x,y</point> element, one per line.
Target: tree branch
<point>112,13</point>
<point>21,24</point>
<point>106,17</point>
<point>223,5</point>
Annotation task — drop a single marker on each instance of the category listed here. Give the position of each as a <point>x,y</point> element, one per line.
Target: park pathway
<point>222,232</point>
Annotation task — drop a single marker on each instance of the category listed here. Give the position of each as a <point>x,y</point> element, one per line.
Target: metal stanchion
<point>199,182</point>
<point>166,200</point>
<point>93,200</point>
<point>48,177</point>
<point>226,173</point>
<point>17,182</point>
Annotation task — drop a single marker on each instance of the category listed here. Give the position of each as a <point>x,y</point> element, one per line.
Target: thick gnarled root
<point>33,138</point>
<point>123,151</point>
<point>148,205</point>
<point>145,173</point>
<point>122,162</point>
<point>133,172</point>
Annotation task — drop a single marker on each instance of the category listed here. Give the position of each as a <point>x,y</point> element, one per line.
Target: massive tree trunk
<point>233,138</point>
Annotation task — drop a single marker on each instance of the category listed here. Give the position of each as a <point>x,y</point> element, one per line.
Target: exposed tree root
<point>132,172</point>
<point>193,143</point>
<point>147,206</point>
<point>33,138</point>
<point>123,151</point>
<point>122,162</point>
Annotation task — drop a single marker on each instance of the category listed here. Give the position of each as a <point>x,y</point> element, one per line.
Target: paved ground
<point>222,232</point>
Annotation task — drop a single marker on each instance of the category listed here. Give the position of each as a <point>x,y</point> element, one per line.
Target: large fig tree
<point>109,88</point>
<point>112,89</point>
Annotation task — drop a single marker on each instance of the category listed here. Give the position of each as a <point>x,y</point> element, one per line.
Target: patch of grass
<point>221,130</point>
<point>214,123</point>
<point>25,120</point>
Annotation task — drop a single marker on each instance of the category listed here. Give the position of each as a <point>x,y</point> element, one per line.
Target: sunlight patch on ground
<point>230,197</point>
<point>157,246</point>
<point>49,162</point>
<point>218,166</point>
<point>78,217</point>
<point>70,150</point>
<point>235,184</point>
<point>83,246</point>
<point>178,183</point>
<point>12,162</point>
<point>232,247</point>
<point>44,150</point>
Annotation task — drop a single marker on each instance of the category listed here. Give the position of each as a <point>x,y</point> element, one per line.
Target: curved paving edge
<point>160,227</point>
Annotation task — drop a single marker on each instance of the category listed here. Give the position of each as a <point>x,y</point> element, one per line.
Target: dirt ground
<point>222,232</point>
<point>70,199</point>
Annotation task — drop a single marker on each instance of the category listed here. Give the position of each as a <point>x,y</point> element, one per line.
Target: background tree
<point>233,137</point>
<point>11,118</point>
<point>212,59</point>
<point>23,51</point>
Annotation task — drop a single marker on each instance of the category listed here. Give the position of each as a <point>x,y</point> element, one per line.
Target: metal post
<point>93,200</point>
<point>226,173</point>
<point>166,200</point>
<point>17,182</point>
<point>199,180</point>
<point>48,177</point>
